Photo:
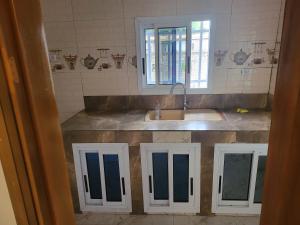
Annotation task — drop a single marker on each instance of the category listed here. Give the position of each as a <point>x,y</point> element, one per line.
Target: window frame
<point>220,206</point>
<point>193,150</point>
<point>142,23</point>
<point>87,204</point>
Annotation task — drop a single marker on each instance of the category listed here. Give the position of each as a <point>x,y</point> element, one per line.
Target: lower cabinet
<point>238,178</point>
<point>171,177</point>
<point>103,179</point>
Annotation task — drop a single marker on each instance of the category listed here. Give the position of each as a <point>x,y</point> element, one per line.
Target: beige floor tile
<point>232,220</point>
<point>163,220</point>
<point>112,219</point>
<point>100,219</point>
<point>140,220</point>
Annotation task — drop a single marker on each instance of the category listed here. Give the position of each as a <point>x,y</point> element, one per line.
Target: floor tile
<point>113,219</point>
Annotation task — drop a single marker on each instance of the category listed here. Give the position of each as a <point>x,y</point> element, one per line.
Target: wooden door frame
<point>282,180</point>
<point>33,158</point>
<point>13,163</point>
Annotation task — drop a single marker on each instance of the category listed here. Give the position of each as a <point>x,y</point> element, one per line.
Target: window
<point>102,173</point>
<point>238,178</point>
<point>199,54</point>
<point>171,178</point>
<point>173,50</point>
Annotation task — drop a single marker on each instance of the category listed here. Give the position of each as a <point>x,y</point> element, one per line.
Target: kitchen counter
<point>135,121</point>
<point>131,128</point>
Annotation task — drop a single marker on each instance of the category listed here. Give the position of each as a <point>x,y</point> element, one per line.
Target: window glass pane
<point>172,55</point>
<point>160,176</point>
<point>236,177</point>
<point>112,178</point>
<point>199,54</point>
<point>181,177</point>
<point>260,179</point>
<point>93,169</point>
<point>150,56</point>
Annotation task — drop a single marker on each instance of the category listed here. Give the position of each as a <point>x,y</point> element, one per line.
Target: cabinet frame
<point>169,206</point>
<point>220,206</point>
<point>102,205</point>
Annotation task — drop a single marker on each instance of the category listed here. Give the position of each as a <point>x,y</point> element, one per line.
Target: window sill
<point>177,90</point>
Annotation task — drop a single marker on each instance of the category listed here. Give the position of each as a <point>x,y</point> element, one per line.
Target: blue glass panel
<point>260,179</point>
<point>112,178</point>
<point>236,177</point>
<point>172,55</point>
<point>160,176</point>
<point>93,169</point>
<point>181,177</point>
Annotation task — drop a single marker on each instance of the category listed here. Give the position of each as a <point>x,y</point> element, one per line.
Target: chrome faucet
<point>185,105</point>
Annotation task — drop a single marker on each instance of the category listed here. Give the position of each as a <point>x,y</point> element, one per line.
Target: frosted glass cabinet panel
<point>103,180</point>
<point>238,178</point>
<point>171,177</point>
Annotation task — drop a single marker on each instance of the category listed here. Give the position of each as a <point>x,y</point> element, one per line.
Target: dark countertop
<point>135,120</point>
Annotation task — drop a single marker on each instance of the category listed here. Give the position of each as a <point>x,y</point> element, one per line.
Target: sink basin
<point>166,115</point>
<point>203,114</point>
<point>193,114</point>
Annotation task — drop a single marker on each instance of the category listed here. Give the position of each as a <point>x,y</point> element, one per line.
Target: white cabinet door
<point>238,178</point>
<point>103,180</point>
<point>171,177</point>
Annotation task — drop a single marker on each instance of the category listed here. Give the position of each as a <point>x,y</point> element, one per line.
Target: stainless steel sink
<point>189,115</point>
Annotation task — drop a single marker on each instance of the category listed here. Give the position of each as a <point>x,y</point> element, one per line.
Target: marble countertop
<point>135,120</point>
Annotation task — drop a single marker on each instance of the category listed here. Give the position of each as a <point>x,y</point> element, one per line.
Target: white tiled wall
<point>277,47</point>
<point>82,26</point>
<point>68,93</point>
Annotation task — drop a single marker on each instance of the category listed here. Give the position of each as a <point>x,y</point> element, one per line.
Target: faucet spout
<point>185,105</point>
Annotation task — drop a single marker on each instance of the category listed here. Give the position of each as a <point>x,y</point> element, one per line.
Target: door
<point>102,172</point>
<point>238,178</point>
<point>171,177</point>
<point>235,178</point>
<point>259,175</point>
<point>30,114</point>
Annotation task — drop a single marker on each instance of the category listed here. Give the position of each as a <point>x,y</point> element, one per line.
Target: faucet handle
<point>157,111</point>
<point>186,104</point>
<point>157,104</point>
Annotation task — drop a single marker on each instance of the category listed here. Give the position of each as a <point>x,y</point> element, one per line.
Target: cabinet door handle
<point>143,65</point>
<point>188,64</point>
<point>123,186</point>
<point>192,186</point>
<point>220,183</point>
<point>86,183</point>
<point>150,184</point>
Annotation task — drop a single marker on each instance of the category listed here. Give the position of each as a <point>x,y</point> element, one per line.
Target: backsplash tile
<point>68,94</point>
<point>147,102</point>
<point>104,33</point>
<point>95,9</point>
<point>57,10</point>
<point>60,35</point>
<point>134,8</point>
<point>252,6</point>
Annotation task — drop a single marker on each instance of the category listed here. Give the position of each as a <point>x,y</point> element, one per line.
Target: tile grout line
<point>77,48</point>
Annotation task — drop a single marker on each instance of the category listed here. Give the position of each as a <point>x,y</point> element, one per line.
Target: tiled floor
<point>109,219</point>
